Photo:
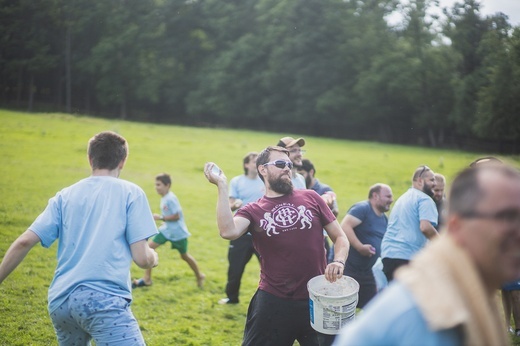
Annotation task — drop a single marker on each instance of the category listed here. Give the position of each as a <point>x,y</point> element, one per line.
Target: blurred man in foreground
<point>447,294</point>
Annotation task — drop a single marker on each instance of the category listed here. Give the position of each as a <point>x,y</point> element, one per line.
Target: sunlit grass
<point>42,153</point>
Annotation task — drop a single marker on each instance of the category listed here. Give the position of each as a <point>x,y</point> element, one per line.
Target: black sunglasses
<point>280,164</point>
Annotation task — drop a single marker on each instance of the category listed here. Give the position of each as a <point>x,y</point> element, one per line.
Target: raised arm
<point>229,227</point>
<point>17,252</point>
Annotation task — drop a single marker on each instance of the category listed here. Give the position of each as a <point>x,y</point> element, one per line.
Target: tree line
<point>335,68</point>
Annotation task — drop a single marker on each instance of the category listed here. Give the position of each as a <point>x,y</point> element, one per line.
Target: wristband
<point>339,261</point>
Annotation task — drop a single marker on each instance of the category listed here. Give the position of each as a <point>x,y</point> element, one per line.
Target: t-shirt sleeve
<point>140,223</point>
<point>47,225</point>
<point>326,214</point>
<point>358,210</point>
<point>428,210</point>
<point>174,205</point>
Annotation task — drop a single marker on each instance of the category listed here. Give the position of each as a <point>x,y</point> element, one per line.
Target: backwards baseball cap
<point>289,142</point>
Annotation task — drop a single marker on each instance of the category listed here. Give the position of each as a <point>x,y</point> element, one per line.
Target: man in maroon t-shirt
<point>287,228</point>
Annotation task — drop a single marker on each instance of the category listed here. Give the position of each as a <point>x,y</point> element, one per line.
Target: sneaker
<point>517,332</point>
<point>225,301</point>
<point>511,330</point>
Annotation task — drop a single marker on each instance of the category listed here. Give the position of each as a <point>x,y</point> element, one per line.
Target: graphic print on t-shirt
<point>286,217</point>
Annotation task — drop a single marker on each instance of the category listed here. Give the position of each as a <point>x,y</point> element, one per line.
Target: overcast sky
<point>510,7</point>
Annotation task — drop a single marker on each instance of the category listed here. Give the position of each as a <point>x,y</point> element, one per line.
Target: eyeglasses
<point>294,151</point>
<point>506,215</point>
<point>280,164</point>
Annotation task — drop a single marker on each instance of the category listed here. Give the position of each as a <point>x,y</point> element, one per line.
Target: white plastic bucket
<point>332,305</point>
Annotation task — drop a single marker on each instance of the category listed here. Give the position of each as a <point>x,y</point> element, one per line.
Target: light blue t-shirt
<point>95,221</point>
<point>298,182</point>
<point>393,319</point>
<point>403,237</point>
<point>246,189</point>
<point>173,230</point>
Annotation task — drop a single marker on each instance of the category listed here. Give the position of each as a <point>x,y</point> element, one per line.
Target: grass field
<point>42,153</point>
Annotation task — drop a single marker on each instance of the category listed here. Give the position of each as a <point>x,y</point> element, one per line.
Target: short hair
<point>307,166</point>
<point>440,177</point>
<point>164,178</point>
<point>265,154</point>
<point>419,171</point>
<point>248,159</point>
<point>466,191</point>
<point>106,150</point>
<point>376,188</point>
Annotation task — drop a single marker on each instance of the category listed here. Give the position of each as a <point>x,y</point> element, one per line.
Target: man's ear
<point>454,227</point>
<point>262,170</point>
<point>121,164</point>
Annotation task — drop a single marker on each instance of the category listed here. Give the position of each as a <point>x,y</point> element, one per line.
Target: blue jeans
<point>89,314</point>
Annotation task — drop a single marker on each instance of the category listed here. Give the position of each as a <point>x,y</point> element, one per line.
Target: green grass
<point>42,153</point>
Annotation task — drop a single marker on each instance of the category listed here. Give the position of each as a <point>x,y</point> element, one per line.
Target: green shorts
<point>181,245</point>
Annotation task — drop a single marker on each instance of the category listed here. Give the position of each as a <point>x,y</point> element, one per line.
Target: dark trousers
<point>390,265</point>
<point>274,321</point>
<point>367,285</point>
<point>240,252</point>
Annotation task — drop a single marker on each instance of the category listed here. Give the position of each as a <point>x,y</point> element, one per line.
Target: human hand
<point>367,250</point>
<point>155,258</point>
<point>334,271</point>
<point>329,197</point>
<point>213,173</point>
<point>156,216</point>
<point>237,204</point>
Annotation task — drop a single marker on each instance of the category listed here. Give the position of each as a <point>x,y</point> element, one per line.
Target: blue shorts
<point>89,314</point>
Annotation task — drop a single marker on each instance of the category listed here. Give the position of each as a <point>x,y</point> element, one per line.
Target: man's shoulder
<point>321,188</point>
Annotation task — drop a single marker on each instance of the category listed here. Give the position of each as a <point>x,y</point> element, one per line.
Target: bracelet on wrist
<point>339,261</point>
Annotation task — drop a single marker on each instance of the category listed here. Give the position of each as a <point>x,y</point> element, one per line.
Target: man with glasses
<point>287,229</point>
<point>447,294</point>
<point>295,155</point>
<point>412,222</point>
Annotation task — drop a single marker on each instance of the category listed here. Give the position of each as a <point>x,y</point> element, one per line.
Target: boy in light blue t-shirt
<point>173,229</point>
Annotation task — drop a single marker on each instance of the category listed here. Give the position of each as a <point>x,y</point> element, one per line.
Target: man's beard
<point>280,186</point>
<point>429,191</point>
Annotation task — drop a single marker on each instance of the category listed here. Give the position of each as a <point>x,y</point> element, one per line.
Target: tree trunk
<point>68,78</point>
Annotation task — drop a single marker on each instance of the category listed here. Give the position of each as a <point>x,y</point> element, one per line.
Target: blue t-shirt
<point>298,182</point>
<point>173,230</point>
<point>246,189</point>
<point>403,237</point>
<point>95,221</point>
<point>370,231</point>
<point>393,319</point>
